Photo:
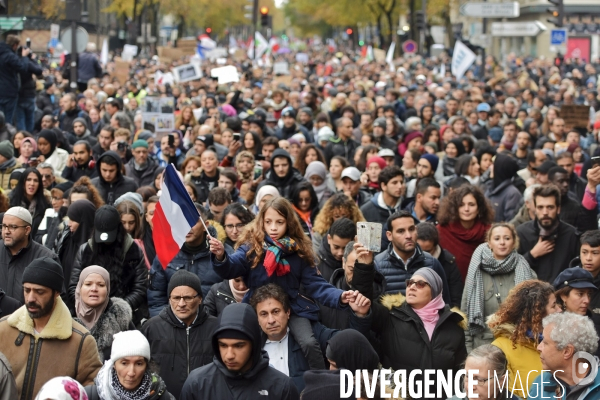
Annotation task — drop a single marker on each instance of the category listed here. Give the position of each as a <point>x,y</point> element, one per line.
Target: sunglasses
<point>419,284</point>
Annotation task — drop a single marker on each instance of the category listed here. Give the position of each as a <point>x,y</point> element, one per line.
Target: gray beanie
<point>7,150</point>
<point>434,280</point>
<point>133,197</point>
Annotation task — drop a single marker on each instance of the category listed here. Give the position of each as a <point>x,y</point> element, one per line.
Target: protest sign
<point>226,74</point>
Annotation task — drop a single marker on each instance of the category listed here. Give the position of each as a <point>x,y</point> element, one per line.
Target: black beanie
<point>233,334</point>
<point>185,278</point>
<point>321,385</point>
<point>45,272</point>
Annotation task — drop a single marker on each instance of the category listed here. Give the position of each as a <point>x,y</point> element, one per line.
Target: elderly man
<point>189,329</point>
<point>41,340</point>
<point>570,370</point>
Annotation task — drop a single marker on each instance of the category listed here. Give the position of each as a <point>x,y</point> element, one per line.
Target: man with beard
<point>547,243</point>
<point>290,127</point>
<point>41,340</point>
<point>572,211</point>
<point>282,175</point>
<point>17,251</point>
<point>427,200</point>
<point>81,163</point>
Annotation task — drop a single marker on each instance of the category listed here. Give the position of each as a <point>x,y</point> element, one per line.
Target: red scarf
<point>462,242</point>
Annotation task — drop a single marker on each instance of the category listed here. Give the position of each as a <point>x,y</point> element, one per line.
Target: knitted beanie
<point>44,272</point>
<point>129,344</point>
<point>184,278</point>
<point>7,150</point>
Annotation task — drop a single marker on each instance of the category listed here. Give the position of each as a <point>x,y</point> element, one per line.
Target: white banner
<point>462,59</point>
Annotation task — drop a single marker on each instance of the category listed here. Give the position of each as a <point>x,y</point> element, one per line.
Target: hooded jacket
<point>198,263</point>
<point>28,84</point>
<point>286,184</point>
<point>63,348</point>
<point>10,66</point>
<point>338,147</point>
<point>67,118</point>
<point>74,172</point>
<point>260,382</point>
<point>396,273</point>
<point>144,177</point>
<point>548,266</point>
<point>187,347</point>
<point>121,185</point>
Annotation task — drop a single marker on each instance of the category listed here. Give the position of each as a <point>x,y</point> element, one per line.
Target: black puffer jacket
<point>133,276</point>
<point>406,343</point>
<point>286,184</point>
<point>219,297</point>
<point>122,184</point>
<point>178,349</point>
<point>260,382</point>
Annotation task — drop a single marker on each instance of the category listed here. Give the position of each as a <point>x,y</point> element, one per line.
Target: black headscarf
<point>461,167</point>
<point>450,162</point>
<point>157,172</point>
<point>505,168</point>
<point>349,349</point>
<point>82,212</point>
<point>460,147</point>
<point>50,136</point>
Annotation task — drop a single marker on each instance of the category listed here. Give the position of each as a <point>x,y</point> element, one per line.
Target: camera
<point>122,146</point>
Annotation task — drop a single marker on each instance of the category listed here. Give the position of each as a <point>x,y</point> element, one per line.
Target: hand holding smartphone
<point>369,235</point>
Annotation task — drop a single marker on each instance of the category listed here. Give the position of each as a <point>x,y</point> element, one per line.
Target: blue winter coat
<point>10,67</point>
<point>548,385</point>
<point>302,304</point>
<point>396,273</point>
<point>198,263</point>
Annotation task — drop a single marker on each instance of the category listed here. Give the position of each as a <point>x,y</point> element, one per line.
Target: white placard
<point>302,58</point>
<point>281,68</point>
<point>226,74</point>
<point>129,51</point>
<point>187,72</point>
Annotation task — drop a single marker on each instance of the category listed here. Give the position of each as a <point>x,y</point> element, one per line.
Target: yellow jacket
<point>524,363</point>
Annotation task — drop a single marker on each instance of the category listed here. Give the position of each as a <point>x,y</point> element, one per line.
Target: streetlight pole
<point>254,22</point>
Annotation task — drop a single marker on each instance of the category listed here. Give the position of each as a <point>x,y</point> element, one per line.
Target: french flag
<point>174,216</point>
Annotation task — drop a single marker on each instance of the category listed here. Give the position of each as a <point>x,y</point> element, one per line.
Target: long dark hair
<point>301,187</point>
<point>18,196</point>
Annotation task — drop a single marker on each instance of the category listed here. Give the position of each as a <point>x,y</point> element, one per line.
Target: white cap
<point>129,344</point>
<point>20,213</point>
<point>325,133</point>
<point>386,153</point>
<point>421,78</point>
<point>352,173</point>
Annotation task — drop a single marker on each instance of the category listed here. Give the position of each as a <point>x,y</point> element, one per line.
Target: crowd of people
<point>488,205</point>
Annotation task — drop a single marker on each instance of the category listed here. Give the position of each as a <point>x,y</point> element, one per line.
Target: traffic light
<point>264,17</point>
<point>208,31</point>
<point>349,31</point>
<point>420,21</point>
<point>558,13</point>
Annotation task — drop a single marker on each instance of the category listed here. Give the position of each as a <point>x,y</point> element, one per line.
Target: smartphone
<point>171,141</point>
<point>260,157</point>
<point>369,235</point>
<point>258,169</point>
<point>595,161</point>
<point>237,137</point>
<point>28,43</point>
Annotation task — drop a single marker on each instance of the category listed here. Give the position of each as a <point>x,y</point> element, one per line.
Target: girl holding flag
<point>274,249</point>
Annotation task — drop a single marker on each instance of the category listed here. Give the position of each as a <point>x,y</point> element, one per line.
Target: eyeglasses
<point>419,284</point>
<point>186,299</point>
<point>46,176</point>
<point>230,227</point>
<point>12,228</point>
<point>480,382</point>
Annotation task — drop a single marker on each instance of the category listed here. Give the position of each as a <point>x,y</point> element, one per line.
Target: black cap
<point>106,224</point>
<point>379,122</point>
<point>45,272</point>
<point>545,167</point>
<point>576,278</point>
<point>289,113</point>
<point>185,278</point>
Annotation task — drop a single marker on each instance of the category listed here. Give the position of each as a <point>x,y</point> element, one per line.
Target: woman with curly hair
<point>308,154</point>
<point>495,268</point>
<point>274,249</point>
<point>464,217</point>
<point>83,189</point>
<point>338,206</point>
<point>517,328</point>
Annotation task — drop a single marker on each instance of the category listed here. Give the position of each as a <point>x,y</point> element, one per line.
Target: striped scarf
<point>275,250</point>
<point>483,261</point>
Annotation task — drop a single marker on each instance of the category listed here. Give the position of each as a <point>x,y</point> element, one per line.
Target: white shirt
<point>278,354</point>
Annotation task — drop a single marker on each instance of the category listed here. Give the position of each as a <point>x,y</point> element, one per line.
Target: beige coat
<point>63,348</point>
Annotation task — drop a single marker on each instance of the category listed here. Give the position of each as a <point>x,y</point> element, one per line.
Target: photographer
<point>11,64</point>
<point>25,112</point>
